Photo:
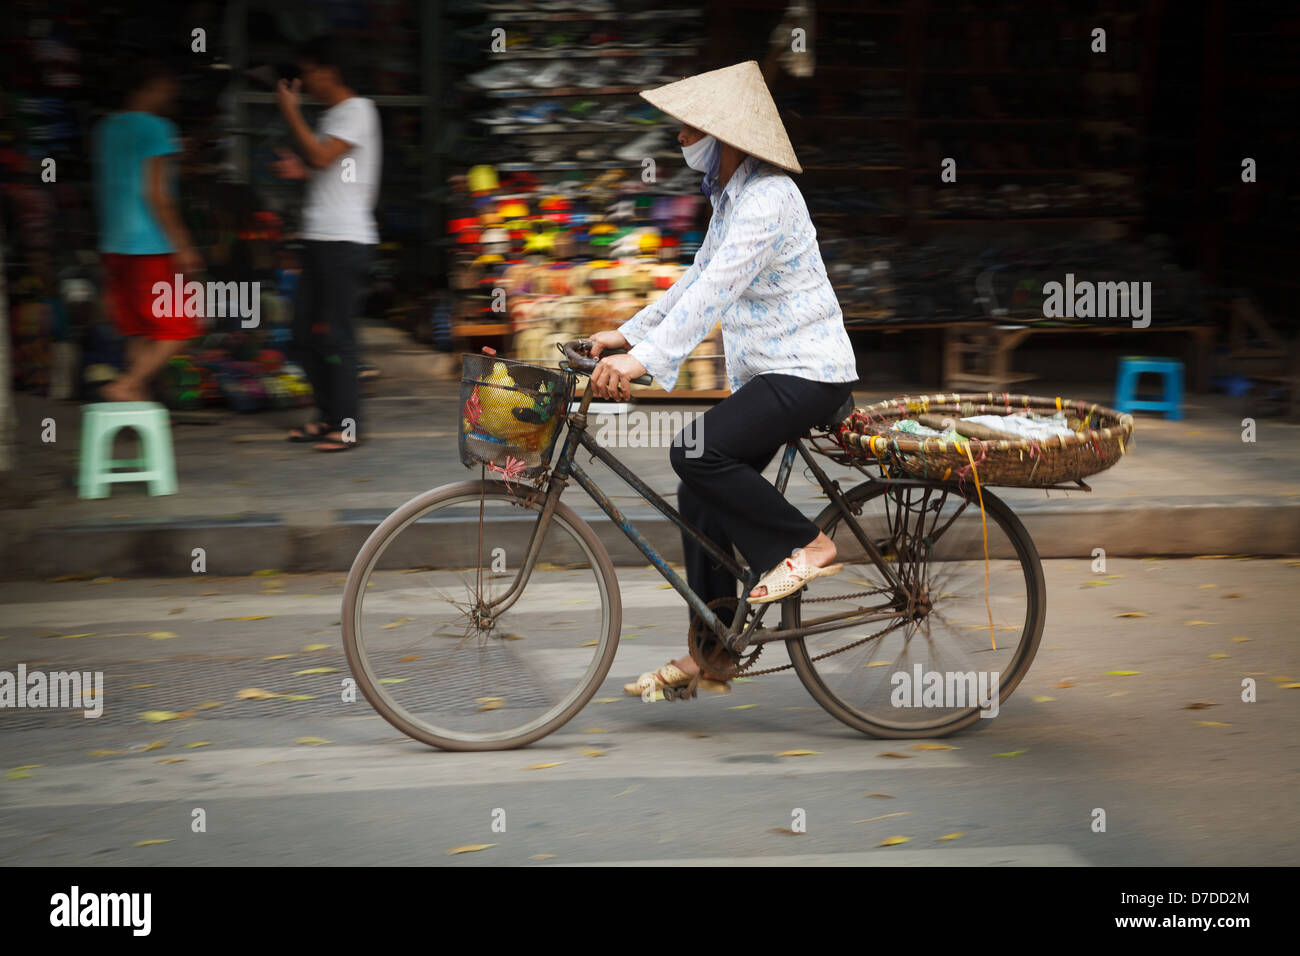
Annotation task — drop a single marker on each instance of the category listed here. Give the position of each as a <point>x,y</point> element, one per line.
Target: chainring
<point>717,662</point>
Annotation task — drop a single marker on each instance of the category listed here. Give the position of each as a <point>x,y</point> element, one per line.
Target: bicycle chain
<point>742,668</point>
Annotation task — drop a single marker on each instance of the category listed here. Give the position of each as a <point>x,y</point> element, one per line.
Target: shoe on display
<point>649,144</point>
<point>555,74</point>
<point>537,113</point>
<point>644,71</point>
<point>601,73</point>
<point>579,112</point>
<point>501,76</point>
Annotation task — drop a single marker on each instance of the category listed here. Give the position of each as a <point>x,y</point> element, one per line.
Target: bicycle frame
<point>899,606</point>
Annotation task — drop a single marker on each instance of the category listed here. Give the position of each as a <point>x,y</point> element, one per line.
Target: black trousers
<point>324,325</point>
<point>720,459</point>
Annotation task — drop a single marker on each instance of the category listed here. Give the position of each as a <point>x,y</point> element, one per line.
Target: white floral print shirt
<point>759,272</point>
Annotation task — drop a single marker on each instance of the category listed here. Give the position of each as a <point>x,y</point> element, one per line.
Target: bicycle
<point>930,570</point>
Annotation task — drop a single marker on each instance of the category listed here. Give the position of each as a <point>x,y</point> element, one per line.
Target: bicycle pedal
<point>685,692</point>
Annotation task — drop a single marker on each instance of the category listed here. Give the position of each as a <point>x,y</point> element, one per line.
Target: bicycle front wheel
<point>969,635</point>
<point>434,651</point>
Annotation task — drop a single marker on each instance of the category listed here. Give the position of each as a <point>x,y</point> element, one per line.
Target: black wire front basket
<point>510,414</point>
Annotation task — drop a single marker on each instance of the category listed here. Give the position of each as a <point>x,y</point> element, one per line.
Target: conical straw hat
<point>733,106</point>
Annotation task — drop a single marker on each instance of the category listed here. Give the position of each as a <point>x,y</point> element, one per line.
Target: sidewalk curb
<point>329,540</point>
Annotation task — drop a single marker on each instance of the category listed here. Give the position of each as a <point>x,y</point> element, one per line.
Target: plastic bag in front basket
<point>510,413</point>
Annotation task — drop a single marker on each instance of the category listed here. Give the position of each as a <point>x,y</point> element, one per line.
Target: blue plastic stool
<point>101,423</point>
<point>1131,367</point>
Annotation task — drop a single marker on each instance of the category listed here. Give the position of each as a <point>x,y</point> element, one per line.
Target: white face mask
<point>699,155</point>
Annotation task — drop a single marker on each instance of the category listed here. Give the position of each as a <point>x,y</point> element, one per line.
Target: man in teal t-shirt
<point>142,239</point>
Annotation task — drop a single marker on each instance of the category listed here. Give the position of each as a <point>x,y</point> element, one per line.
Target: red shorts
<point>136,307</point>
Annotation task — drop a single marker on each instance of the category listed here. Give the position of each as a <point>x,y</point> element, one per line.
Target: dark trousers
<point>723,491</point>
<point>324,325</point>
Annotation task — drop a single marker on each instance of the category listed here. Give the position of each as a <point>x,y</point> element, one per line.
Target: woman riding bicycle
<point>789,361</point>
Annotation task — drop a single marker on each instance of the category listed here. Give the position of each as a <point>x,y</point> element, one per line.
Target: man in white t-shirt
<point>345,155</point>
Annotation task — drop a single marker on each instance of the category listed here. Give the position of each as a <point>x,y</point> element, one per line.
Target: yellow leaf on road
<point>1122,673</point>
<point>589,644</point>
<point>595,730</point>
<point>108,753</point>
<point>316,670</point>
<point>158,716</point>
<point>1218,657</point>
<point>1198,623</point>
<point>469,848</point>
<point>1210,723</point>
<point>255,693</point>
<point>209,704</point>
<point>798,753</point>
<point>151,842</point>
<point>952,836</point>
<point>393,680</point>
<point>593,752</point>
<point>277,657</point>
<point>1013,753</point>
<point>608,700</point>
<point>1041,699</point>
<point>313,741</point>
<point>247,617</point>
<point>198,743</point>
<point>315,647</point>
<point>408,657</point>
<point>156,745</point>
<point>267,573</point>
<point>933,747</point>
<point>1241,640</point>
<point>172,760</point>
<point>542,856</point>
<point>491,704</point>
<point>1133,614</point>
<point>162,635</point>
<point>896,756</point>
<point>543,766</point>
<point>1200,705</point>
<point>397,623</point>
<point>893,841</point>
<point>70,637</point>
<point>736,707</point>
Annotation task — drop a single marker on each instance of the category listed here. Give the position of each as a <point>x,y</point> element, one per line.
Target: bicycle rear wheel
<point>436,662</point>
<point>935,671</point>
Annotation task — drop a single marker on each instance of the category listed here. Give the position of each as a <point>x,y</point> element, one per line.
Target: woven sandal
<point>789,576</point>
<point>671,676</point>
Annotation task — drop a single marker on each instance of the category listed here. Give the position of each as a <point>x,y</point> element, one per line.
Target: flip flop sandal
<point>789,576</point>
<point>305,434</point>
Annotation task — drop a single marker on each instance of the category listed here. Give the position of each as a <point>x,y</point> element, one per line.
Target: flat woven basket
<point>1099,440</point>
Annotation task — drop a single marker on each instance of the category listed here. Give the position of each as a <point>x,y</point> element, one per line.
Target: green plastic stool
<point>101,423</point>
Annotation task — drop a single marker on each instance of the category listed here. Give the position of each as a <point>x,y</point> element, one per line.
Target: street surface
<point>1186,773</point>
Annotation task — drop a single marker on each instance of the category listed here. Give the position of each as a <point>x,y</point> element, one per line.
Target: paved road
<point>661,783</point>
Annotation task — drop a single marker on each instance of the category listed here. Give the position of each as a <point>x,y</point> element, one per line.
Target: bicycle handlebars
<point>582,362</point>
